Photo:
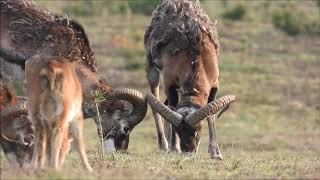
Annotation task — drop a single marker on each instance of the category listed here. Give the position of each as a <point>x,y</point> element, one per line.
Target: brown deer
<point>27,30</point>
<point>54,104</point>
<point>17,131</point>
<point>182,43</point>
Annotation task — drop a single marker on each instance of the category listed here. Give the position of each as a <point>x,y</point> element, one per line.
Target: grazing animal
<point>54,104</point>
<point>28,30</point>
<point>17,131</point>
<point>182,43</point>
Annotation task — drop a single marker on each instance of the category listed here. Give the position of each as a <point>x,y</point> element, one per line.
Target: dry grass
<point>272,131</point>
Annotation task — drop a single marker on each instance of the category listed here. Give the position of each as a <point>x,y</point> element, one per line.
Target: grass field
<point>273,129</point>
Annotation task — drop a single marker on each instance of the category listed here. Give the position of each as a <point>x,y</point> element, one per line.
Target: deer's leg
<point>41,140</point>
<point>154,81</point>
<point>76,133</point>
<point>65,149</point>
<point>56,139</point>
<point>43,146</point>
<point>213,142</point>
<point>35,154</point>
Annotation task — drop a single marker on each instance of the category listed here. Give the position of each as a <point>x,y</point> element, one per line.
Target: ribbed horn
<point>209,109</point>
<point>171,116</point>
<point>136,99</point>
<point>18,108</point>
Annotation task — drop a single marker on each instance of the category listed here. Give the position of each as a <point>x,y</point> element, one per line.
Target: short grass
<point>272,131</point>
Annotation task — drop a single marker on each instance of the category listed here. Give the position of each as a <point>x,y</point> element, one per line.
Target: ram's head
<point>118,111</point>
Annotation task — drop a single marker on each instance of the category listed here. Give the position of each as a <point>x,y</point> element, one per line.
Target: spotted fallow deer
<point>54,104</point>
<point>182,43</point>
<point>17,131</point>
<point>28,30</point>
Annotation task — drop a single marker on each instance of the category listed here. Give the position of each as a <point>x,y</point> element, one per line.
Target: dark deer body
<point>28,30</point>
<point>182,43</point>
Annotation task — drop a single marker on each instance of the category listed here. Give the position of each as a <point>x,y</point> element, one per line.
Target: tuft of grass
<point>235,164</point>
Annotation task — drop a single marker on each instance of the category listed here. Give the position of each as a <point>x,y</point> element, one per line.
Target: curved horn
<point>136,99</point>
<point>209,109</point>
<point>17,108</point>
<point>171,116</point>
<point>14,141</point>
<point>12,56</point>
<point>25,139</point>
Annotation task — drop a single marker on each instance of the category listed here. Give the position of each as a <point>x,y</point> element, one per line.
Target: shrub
<point>236,13</point>
<point>117,7</point>
<point>313,28</point>
<point>145,7</point>
<point>294,23</point>
<point>287,22</point>
<point>80,8</point>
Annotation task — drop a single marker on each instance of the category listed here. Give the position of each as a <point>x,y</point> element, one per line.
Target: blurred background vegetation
<point>289,16</point>
<point>269,58</point>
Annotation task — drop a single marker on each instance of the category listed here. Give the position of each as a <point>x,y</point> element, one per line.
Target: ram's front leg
<point>172,102</point>
<point>153,76</point>
<point>213,142</point>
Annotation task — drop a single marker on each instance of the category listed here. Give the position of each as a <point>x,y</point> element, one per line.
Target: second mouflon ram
<point>182,43</point>
<point>28,30</point>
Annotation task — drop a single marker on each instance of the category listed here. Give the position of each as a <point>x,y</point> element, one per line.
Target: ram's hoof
<point>216,154</point>
<point>163,145</point>
<point>217,157</point>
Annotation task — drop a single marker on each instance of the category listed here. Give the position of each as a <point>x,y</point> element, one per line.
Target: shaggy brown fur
<point>28,30</point>
<point>6,97</point>
<point>178,25</point>
<point>42,32</point>
<point>182,43</point>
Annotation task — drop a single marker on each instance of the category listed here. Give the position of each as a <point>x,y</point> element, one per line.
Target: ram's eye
<point>126,129</point>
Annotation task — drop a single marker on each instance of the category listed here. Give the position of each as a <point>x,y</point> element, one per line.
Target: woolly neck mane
<point>178,25</point>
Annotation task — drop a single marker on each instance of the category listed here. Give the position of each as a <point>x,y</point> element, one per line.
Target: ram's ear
<point>6,96</point>
<point>104,86</point>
